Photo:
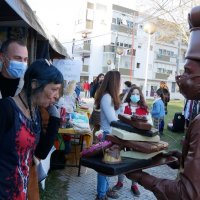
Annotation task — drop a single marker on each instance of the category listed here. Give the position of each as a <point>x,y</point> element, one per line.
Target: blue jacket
<point>158,109</point>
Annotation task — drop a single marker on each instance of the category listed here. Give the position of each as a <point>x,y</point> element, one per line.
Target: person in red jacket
<point>134,104</point>
<point>86,88</point>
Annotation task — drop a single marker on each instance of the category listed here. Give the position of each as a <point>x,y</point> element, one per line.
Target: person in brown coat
<point>186,186</point>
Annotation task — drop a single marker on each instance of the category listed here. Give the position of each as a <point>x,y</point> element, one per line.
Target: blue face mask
<point>135,98</point>
<point>16,69</point>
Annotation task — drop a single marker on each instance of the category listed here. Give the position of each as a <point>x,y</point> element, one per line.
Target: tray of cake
<point>127,148</point>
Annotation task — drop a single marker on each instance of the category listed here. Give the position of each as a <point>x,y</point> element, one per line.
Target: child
<point>136,104</point>
<point>158,112</point>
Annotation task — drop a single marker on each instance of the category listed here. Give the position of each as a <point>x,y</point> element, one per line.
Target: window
<point>139,46</point>
<point>87,42</point>
<point>114,20</point>
<point>166,52</point>
<point>121,44</point>
<point>129,24</point>
<point>119,21</point>
<point>173,87</point>
<point>169,71</point>
<point>153,90</point>
<point>125,45</point>
<point>130,46</point>
<point>138,65</point>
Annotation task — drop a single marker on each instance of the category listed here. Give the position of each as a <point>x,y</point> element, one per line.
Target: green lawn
<point>55,189</point>
<point>172,138</point>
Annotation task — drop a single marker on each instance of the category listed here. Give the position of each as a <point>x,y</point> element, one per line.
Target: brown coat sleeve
<point>187,186</point>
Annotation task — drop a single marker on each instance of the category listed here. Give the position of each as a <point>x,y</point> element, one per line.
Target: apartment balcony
<point>82,49</point>
<point>129,52</point>
<point>85,26</point>
<point>123,71</point>
<point>165,58</point>
<point>126,52</point>
<point>120,28</point>
<point>125,10</point>
<point>109,48</point>
<point>163,76</point>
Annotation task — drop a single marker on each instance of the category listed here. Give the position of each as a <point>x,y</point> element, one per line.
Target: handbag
<point>57,160</point>
<point>95,117</point>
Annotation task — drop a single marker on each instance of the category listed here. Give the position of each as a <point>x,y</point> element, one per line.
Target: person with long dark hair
<point>96,84</point>
<point>21,130</point>
<point>107,100</point>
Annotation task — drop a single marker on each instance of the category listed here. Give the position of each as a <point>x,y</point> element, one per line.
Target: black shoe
<point>101,198</point>
<point>112,194</point>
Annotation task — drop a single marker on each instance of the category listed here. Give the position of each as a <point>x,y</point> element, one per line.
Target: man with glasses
<point>13,64</point>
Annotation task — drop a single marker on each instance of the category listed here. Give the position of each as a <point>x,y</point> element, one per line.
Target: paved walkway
<point>84,187</point>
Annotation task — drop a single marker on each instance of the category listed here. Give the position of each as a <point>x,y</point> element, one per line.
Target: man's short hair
<point>5,45</point>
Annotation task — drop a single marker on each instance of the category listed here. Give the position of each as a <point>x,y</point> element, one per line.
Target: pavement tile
<point>84,187</point>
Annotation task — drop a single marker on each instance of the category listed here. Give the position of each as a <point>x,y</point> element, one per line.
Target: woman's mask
<point>135,98</point>
<point>189,86</point>
<point>16,69</point>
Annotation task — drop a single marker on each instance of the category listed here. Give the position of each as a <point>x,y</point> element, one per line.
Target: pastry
<point>112,155</point>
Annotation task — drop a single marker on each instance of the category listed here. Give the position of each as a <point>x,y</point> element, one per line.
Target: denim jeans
<point>102,181</point>
<point>102,185</point>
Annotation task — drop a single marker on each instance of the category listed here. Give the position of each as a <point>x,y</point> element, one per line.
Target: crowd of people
<point>31,89</point>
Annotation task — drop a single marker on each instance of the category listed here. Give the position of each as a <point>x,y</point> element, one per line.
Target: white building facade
<point>112,37</point>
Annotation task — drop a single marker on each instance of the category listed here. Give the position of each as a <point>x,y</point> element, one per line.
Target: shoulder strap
<point>20,86</point>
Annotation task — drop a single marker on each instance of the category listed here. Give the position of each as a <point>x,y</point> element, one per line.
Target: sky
<point>59,16</point>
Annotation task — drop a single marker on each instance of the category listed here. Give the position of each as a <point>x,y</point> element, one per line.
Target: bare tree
<point>170,17</point>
